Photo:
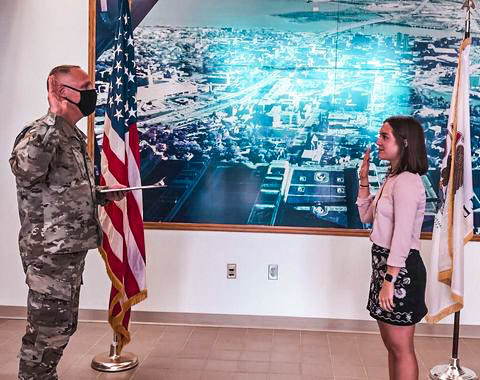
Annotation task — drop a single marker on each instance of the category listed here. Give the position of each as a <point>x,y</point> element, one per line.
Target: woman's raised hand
<point>365,168</point>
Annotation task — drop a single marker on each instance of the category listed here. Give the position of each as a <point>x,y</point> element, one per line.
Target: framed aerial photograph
<point>258,112</point>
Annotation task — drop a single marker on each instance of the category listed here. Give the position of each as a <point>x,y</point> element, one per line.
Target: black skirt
<point>409,293</point>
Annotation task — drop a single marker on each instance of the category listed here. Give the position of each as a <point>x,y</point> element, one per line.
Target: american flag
<point>123,246</point>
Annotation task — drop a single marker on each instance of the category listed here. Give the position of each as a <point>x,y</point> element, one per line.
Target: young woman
<point>397,289</point>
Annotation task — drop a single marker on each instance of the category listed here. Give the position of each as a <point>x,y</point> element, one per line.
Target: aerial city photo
<point>259,112</point>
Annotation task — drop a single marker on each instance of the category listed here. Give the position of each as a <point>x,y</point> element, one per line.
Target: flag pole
<point>456,335</point>
<point>114,361</point>
<point>453,370</point>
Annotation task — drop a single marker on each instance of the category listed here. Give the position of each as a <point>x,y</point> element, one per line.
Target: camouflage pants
<point>52,310</point>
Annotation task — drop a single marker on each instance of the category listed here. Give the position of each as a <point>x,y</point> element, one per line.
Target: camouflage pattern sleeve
<point>32,153</point>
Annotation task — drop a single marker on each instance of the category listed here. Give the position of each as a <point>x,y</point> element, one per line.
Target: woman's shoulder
<point>407,176</point>
<point>408,179</point>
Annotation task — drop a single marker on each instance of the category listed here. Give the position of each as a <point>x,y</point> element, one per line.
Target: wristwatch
<point>388,277</point>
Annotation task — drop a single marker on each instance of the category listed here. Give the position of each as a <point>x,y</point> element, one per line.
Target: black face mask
<point>88,100</point>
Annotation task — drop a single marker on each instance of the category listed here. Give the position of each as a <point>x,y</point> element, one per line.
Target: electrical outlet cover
<point>232,271</point>
<point>273,271</point>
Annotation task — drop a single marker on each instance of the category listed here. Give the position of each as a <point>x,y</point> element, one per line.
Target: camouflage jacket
<point>55,187</point>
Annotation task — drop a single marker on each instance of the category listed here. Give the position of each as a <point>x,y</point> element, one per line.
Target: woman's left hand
<point>385,298</point>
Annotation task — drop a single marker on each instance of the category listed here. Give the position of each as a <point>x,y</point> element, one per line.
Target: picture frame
<point>302,157</point>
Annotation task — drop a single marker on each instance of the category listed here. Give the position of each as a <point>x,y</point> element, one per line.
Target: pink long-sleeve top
<point>396,212</point>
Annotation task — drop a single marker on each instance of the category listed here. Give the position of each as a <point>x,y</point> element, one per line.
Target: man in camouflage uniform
<point>57,203</point>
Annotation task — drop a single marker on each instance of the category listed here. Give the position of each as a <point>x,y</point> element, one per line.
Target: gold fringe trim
<point>116,321</point>
<point>464,44</point>
<point>444,313</point>
<point>468,237</point>
<point>457,298</point>
<point>445,276</point>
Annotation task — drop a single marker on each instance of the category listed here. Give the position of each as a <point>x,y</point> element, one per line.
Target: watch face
<point>388,277</point>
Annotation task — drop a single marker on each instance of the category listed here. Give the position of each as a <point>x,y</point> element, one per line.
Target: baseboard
<point>255,321</point>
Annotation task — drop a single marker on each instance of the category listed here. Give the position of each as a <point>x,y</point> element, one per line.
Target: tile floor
<point>206,353</point>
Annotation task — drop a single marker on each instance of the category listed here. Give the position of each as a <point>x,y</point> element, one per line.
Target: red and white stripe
<point>122,221</point>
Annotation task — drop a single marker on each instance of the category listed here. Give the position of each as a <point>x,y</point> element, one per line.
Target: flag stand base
<point>452,371</point>
<point>112,361</point>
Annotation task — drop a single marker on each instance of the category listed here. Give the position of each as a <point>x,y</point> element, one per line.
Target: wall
<point>319,276</point>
